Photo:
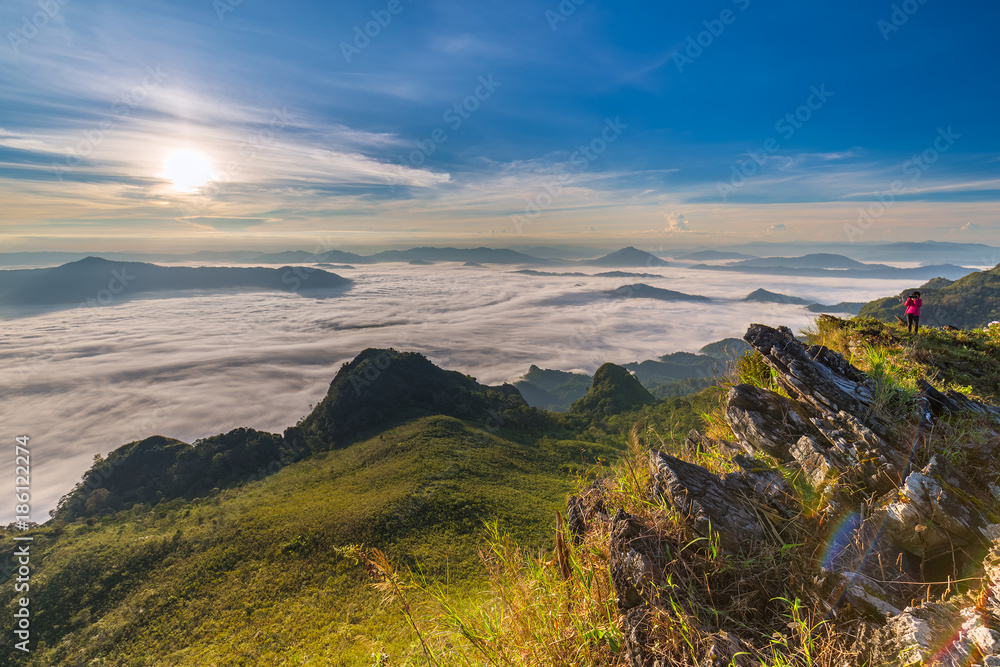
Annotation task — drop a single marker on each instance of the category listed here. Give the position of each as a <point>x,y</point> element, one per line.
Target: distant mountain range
<point>603,274</point>
<point>675,374</point>
<point>781,255</point>
<point>100,281</point>
<point>644,291</point>
<point>924,252</point>
<point>712,255</point>
<point>828,266</point>
<point>478,255</point>
<point>630,257</point>
<point>764,296</point>
<point>813,261</point>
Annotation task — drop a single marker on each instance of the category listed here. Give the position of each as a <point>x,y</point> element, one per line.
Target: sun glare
<point>188,170</point>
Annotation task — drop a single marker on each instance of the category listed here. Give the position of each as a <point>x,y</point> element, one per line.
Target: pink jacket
<point>913,306</point>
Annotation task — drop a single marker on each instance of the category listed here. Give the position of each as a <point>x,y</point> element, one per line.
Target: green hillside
<point>614,390</point>
<point>967,303</point>
<point>253,575</point>
<point>211,554</point>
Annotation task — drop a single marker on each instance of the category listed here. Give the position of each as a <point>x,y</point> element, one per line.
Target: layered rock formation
<point>913,525</point>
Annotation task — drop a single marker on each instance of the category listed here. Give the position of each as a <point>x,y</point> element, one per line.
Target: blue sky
<point>210,124</point>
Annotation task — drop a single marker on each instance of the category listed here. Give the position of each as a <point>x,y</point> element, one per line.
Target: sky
<point>212,124</point>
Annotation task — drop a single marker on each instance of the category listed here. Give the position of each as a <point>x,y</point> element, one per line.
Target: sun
<point>187,169</point>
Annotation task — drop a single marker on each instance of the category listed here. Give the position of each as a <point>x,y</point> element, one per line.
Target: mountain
<point>847,432</point>
<point>674,374</point>
<point>567,252</point>
<point>535,272</point>
<point>871,271</point>
<point>711,255</point>
<point>813,261</point>
<point>379,387</point>
<point>971,302</point>
<point>248,573</point>
<point>644,291</point>
<point>244,547</point>
<point>931,252</point>
<point>603,274</point>
<point>764,296</point>
<point>551,389</point>
<point>304,257</point>
<point>628,257</point>
<point>159,469</point>
<point>625,274</point>
<point>479,255</point>
<point>673,367</point>
<point>403,535</point>
<point>844,307</point>
<point>96,281</point>
<point>614,390</point>
<point>726,349</point>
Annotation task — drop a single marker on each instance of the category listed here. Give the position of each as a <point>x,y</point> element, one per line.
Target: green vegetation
<point>250,560</point>
<point>552,390</point>
<point>409,521</point>
<point>970,302</point>
<point>966,361</point>
<point>255,575</point>
<point>614,390</point>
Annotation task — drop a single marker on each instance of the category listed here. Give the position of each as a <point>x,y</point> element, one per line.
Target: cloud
<point>969,226</point>
<point>87,380</point>
<point>226,224</point>
<point>776,228</point>
<point>676,222</point>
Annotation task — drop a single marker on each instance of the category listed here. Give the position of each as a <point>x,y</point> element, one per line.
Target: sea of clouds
<point>83,381</point>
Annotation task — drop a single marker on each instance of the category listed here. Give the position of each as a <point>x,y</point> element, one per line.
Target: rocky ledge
<point>916,522</point>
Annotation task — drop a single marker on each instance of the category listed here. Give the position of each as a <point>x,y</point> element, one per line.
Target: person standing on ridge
<point>913,312</point>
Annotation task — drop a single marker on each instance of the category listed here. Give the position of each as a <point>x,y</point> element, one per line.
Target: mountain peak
<point>383,386</point>
<point>614,390</point>
<point>629,256</point>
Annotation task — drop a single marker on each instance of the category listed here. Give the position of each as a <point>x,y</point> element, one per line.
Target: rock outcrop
<point>822,425</point>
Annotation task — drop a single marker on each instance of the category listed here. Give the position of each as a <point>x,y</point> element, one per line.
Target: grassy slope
<point>262,573</point>
<point>254,575</point>
<point>972,301</point>
<point>707,589</point>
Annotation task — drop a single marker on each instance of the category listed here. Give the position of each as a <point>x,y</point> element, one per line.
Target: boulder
<point>764,421</point>
<point>934,512</point>
<point>816,376</point>
<point>953,402</point>
<point>705,501</point>
<point>631,569</point>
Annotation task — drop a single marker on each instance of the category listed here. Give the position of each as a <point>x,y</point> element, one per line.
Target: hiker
<point>913,312</point>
